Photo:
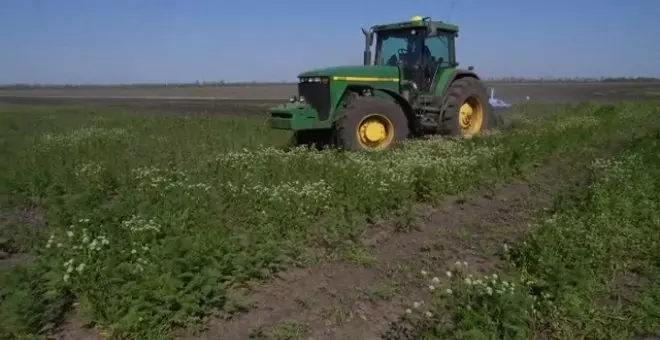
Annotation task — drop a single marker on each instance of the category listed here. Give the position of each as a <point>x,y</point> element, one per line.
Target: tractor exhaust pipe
<point>368,41</point>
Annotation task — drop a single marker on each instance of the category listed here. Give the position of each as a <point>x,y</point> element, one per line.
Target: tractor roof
<point>416,21</point>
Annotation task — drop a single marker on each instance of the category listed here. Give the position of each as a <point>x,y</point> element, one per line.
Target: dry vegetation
<point>119,225</point>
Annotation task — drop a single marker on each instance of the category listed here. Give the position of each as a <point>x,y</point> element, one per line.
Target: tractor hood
<point>348,72</point>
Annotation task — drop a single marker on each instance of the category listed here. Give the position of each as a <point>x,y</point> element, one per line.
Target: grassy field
<point>117,225</point>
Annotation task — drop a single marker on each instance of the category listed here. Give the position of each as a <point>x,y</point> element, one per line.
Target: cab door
<point>439,55</point>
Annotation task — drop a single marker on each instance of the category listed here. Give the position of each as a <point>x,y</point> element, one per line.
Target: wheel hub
<point>466,112</point>
<point>373,132</point>
<point>471,116</point>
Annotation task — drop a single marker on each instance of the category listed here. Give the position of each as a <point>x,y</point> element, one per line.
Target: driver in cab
<point>407,56</point>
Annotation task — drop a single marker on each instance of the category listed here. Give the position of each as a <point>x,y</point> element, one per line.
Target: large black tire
<point>461,91</point>
<point>361,108</point>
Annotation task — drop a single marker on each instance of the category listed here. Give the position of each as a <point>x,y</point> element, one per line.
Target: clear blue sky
<point>88,41</point>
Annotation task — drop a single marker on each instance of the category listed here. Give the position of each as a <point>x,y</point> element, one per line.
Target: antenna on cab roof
<point>451,10</point>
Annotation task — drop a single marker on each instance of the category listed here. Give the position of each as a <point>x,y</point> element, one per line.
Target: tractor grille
<point>317,95</point>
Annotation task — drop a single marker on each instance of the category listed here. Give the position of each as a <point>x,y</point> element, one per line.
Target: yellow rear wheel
<point>466,109</point>
<point>471,116</point>
<point>375,132</point>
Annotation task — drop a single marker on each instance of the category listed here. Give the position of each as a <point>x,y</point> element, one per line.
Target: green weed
<point>152,221</point>
<point>589,270</point>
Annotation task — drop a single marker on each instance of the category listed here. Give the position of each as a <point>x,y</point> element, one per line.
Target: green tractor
<point>412,87</point>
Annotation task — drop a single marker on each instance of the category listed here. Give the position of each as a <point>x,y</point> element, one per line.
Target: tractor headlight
<point>301,99</point>
<point>292,99</point>
<point>323,80</point>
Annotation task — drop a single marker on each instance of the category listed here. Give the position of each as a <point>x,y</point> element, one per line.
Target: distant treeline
<point>577,80</point>
<point>253,83</point>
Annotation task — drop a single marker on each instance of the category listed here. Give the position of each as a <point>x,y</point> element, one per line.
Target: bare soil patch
<point>29,222</point>
<point>74,328</point>
<point>352,301</point>
<point>177,106</point>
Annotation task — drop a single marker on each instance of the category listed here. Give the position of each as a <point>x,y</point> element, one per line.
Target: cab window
<point>439,49</point>
<point>391,46</point>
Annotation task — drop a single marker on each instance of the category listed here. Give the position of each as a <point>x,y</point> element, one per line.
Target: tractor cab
<point>421,48</point>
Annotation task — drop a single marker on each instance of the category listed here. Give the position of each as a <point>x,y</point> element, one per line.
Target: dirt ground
<point>255,99</point>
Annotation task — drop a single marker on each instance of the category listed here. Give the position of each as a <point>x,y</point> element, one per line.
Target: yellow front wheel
<point>371,124</point>
<point>375,132</point>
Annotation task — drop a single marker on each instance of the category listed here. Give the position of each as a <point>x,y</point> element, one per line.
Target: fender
<point>378,91</point>
<point>448,76</point>
<point>403,103</point>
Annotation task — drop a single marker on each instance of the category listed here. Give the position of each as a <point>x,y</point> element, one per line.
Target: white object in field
<point>496,102</point>
<point>527,97</point>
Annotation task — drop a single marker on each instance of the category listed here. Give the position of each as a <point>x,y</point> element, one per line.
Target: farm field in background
<point>143,226</point>
<point>509,91</point>
<point>255,98</point>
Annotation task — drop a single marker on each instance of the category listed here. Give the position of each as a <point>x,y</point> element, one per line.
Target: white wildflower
<point>80,267</point>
